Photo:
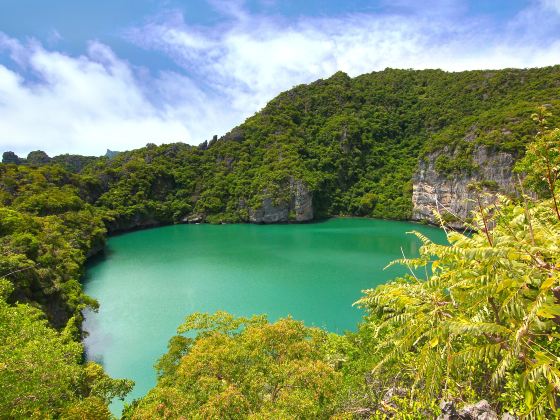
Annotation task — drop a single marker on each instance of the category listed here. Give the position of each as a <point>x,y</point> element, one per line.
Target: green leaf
<point>529,397</point>
<point>547,284</point>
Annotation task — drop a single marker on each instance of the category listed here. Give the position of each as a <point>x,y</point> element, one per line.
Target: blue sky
<point>80,77</point>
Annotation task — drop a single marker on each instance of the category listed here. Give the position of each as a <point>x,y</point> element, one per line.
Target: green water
<point>147,281</point>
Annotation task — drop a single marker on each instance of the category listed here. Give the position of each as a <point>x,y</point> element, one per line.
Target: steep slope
<point>454,195</point>
<point>385,144</point>
<point>339,146</point>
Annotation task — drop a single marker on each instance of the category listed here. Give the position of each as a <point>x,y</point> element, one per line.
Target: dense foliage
<point>478,318</point>
<point>484,323</point>
<point>481,324</point>
<point>46,231</point>
<point>41,370</point>
<point>355,144</point>
<point>242,368</point>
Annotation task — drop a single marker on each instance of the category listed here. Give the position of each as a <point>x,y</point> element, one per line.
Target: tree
<point>484,321</point>
<point>41,375</point>
<point>242,367</point>
<point>541,163</point>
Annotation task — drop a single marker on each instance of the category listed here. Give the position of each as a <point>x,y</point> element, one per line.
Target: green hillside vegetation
<point>41,370</point>
<point>355,143</point>
<point>47,229</point>
<point>481,322</point>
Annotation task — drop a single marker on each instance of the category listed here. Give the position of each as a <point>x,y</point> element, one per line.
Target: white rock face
<point>300,204</point>
<point>451,194</point>
<point>269,212</point>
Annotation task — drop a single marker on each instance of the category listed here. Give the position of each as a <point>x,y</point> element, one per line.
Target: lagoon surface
<point>147,281</point>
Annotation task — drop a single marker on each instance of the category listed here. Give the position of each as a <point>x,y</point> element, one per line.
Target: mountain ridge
<point>339,146</point>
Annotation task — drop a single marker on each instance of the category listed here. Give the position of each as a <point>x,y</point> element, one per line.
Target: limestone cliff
<point>134,222</point>
<point>297,208</point>
<point>449,193</point>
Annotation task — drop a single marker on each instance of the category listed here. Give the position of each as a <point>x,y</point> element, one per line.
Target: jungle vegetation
<point>489,300</point>
<point>475,319</point>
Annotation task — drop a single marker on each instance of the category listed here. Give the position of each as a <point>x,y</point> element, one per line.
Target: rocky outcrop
<point>134,222</point>
<point>11,157</point>
<point>193,218</point>
<point>451,194</point>
<point>482,410</point>
<point>302,202</point>
<point>298,207</point>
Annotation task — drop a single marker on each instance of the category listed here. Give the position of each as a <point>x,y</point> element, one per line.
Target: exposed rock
<point>38,157</point>
<point>193,218</point>
<point>479,411</point>
<point>11,157</point>
<point>302,201</point>
<point>235,134</point>
<point>137,221</point>
<point>270,212</point>
<point>450,193</point>
<point>213,141</point>
<point>448,411</point>
<point>299,206</point>
<point>387,402</point>
<point>173,149</point>
<point>392,392</point>
<point>111,154</point>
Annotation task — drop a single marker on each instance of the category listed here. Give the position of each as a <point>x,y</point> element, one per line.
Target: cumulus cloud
<point>253,57</point>
<point>85,104</point>
<point>88,103</point>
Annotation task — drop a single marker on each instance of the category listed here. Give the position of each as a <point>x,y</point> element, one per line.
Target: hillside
<point>339,146</point>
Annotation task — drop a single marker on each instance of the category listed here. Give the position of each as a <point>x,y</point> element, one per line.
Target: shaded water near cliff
<point>147,281</point>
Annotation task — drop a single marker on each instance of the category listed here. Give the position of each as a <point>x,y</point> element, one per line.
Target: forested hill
<point>354,143</point>
<point>339,146</point>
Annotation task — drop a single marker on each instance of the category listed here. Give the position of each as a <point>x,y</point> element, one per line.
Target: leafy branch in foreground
<point>485,321</point>
<point>541,163</point>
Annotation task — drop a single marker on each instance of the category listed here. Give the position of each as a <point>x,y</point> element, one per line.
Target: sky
<point>83,77</point>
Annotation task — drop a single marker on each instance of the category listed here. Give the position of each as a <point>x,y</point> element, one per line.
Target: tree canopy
<point>477,318</point>
<point>481,322</point>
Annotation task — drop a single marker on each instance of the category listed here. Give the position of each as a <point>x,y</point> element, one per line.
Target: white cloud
<point>551,5</point>
<point>255,57</point>
<point>98,100</point>
<point>89,103</point>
